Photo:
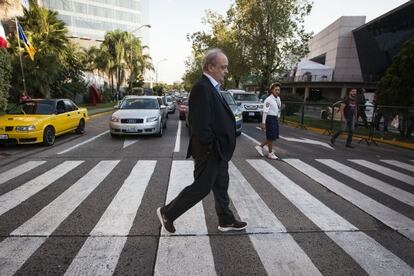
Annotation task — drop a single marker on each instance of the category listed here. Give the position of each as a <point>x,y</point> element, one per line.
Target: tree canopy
<point>262,38</point>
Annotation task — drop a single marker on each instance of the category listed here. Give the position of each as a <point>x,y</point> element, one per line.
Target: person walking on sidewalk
<point>271,113</point>
<point>212,143</point>
<point>348,111</point>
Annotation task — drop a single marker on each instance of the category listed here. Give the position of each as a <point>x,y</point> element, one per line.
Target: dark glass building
<point>381,39</point>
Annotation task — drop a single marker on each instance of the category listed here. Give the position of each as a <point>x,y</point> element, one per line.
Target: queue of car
<point>42,120</point>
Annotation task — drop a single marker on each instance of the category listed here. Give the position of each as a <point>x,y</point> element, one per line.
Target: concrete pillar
<point>294,90</point>
<point>343,92</point>
<point>306,96</point>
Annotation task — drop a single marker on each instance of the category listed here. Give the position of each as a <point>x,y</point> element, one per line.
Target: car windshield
<point>168,99</point>
<point>139,104</point>
<point>33,107</point>
<point>246,97</point>
<point>229,99</point>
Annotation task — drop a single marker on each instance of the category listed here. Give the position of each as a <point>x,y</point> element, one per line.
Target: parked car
<point>235,109</point>
<point>170,104</point>
<point>140,115</point>
<point>41,120</point>
<point>161,101</point>
<point>249,103</point>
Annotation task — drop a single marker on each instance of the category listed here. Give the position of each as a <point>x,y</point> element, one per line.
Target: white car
<point>139,115</point>
<point>249,103</point>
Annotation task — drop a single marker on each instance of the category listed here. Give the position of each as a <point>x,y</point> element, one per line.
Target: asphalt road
<point>86,206</point>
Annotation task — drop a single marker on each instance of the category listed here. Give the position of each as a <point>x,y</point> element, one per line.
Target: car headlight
<point>115,119</point>
<point>237,116</point>
<point>152,119</point>
<point>25,128</point>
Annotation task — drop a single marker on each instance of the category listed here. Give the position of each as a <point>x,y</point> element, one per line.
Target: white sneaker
<point>272,156</point>
<point>259,150</point>
<point>266,149</point>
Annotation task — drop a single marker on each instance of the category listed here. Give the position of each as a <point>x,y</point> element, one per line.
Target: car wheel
<point>238,133</point>
<point>113,135</point>
<point>48,136</point>
<point>159,134</point>
<point>165,124</point>
<point>324,115</point>
<point>81,127</point>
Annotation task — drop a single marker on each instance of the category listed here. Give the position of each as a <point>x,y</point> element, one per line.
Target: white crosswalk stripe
<point>188,251</point>
<point>99,255</point>
<point>196,257</point>
<point>372,182</point>
<point>382,262</point>
<point>278,252</point>
<point>50,217</point>
<point>17,196</point>
<point>399,164</point>
<point>19,170</point>
<point>384,170</point>
<point>386,215</point>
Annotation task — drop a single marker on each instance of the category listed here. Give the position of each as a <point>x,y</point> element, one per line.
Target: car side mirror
<point>116,106</point>
<point>163,107</point>
<point>239,104</point>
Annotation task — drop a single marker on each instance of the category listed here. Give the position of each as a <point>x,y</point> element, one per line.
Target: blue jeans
<point>347,125</point>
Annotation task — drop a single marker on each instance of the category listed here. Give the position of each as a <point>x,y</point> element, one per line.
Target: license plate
<point>4,136</point>
<point>131,129</point>
<point>251,113</point>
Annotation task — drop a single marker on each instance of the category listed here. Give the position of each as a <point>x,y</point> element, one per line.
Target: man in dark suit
<point>212,143</point>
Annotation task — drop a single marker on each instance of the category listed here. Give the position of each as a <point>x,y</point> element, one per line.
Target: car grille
<point>9,128</point>
<point>250,107</point>
<point>132,121</point>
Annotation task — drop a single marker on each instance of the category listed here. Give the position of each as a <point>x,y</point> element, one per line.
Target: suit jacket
<point>211,121</point>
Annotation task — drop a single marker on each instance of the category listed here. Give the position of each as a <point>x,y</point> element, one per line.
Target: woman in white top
<point>271,112</point>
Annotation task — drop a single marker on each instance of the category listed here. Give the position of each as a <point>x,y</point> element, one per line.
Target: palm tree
<point>137,62</point>
<point>48,35</point>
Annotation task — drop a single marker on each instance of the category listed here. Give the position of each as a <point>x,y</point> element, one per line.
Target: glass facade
<point>93,18</point>
<point>381,39</point>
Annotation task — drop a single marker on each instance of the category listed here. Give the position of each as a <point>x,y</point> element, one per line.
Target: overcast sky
<point>172,20</point>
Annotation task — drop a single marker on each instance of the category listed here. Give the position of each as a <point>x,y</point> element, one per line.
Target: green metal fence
<point>374,122</point>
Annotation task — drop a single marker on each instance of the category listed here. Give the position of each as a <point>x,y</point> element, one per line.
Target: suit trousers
<point>210,173</point>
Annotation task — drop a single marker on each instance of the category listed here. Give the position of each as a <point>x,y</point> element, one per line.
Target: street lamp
<point>130,36</point>
<point>156,71</point>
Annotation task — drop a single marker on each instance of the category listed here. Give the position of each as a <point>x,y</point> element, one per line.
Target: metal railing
<point>373,122</point>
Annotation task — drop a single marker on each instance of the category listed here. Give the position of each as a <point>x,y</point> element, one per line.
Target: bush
<point>5,77</point>
<point>292,102</point>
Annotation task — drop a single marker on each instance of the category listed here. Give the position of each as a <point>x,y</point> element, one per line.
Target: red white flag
<point>3,40</point>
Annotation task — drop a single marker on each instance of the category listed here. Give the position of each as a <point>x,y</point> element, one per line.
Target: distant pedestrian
<point>348,111</point>
<point>24,96</point>
<point>212,143</point>
<point>271,113</point>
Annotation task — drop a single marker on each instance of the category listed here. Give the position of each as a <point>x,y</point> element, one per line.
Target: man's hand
<point>262,126</point>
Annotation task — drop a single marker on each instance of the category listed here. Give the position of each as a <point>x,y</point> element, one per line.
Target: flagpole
<point>20,55</point>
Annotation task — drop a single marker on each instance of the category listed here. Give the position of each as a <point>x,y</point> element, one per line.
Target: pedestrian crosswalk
<point>189,251</point>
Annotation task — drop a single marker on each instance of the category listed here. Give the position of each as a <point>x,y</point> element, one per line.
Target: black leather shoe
<point>235,226</point>
<point>333,141</point>
<point>165,222</point>
<point>349,146</point>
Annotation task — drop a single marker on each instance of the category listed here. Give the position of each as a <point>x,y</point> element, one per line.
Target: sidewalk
<point>404,145</point>
<point>96,111</point>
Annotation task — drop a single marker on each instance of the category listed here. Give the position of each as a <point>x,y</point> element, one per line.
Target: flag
<point>3,39</point>
<point>29,48</point>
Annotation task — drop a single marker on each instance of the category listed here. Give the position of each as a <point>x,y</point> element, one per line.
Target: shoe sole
<point>160,217</point>
<point>161,220</point>
<point>226,229</point>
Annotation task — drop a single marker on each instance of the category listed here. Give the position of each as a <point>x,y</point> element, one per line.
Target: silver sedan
<point>140,115</point>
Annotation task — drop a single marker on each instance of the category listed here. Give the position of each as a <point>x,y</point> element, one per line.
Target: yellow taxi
<point>41,120</point>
